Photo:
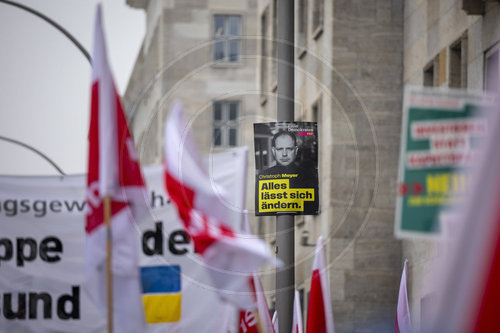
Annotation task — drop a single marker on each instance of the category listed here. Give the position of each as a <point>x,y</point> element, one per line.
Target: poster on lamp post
<point>286,160</point>
<point>440,134</point>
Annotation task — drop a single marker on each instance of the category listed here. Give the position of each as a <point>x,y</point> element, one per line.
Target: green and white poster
<point>440,135</point>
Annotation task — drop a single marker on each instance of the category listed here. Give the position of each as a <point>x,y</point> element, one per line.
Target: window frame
<point>317,109</point>
<point>457,60</point>
<point>274,45</point>
<point>431,73</point>
<point>302,28</point>
<point>264,55</point>
<point>489,54</point>
<point>225,124</point>
<point>226,38</point>
<point>318,18</point>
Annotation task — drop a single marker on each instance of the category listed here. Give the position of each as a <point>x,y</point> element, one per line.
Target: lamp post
<point>52,23</point>
<point>36,151</point>
<point>285,236</point>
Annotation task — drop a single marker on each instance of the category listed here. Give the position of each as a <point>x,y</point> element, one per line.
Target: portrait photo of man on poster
<point>286,156</point>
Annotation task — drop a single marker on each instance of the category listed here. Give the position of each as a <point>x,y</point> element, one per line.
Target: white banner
<point>41,255</point>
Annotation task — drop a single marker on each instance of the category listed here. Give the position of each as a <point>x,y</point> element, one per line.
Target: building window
<point>227,33</point>
<point>429,76</point>
<point>431,73</point>
<point>274,68</point>
<point>302,26</point>
<point>316,110</point>
<point>302,304</point>
<point>225,123</point>
<point>317,18</point>
<point>492,68</point>
<point>458,64</point>
<point>263,54</point>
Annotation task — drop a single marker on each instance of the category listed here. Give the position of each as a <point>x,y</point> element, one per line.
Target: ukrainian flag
<point>161,293</point>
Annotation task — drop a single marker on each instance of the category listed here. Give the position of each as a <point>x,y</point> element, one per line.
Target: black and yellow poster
<point>286,162</point>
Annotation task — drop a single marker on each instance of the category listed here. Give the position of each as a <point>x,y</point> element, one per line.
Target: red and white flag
<point>403,322</point>
<point>468,287</point>
<point>319,312</point>
<point>262,307</point>
<point>114,171</point>
<point>231,258</point>
<point>248,321</point>
<point>297,315</point>
<point>256,286</point>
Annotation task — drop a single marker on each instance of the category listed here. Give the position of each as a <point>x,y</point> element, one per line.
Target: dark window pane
<point>233,111</point>
<point>429,77</point>
<point>302,16</point>
<point>219,50</point>
<point>218,26</point>
<point>232,136</point>
<point>217,139</point>
<point>234,49</point>
<point>234,25</point>
<point>217,111</point>
<point>492,78</point>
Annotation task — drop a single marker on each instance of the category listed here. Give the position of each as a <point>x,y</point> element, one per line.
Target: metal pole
<point>53,23</point>
<point>285,277</point>
<point>73,40</point>
<point>109,261</point>
<point>33,149</point>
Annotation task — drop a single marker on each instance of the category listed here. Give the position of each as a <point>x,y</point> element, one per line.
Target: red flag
<point>113,171</point>
<point>319,312</point>
<point>256,285</point>
<point>468,288</point>
<point>248,322</point>
<point>297,315</point>
<point>403,322</point>
<point>204,213</point>
<point>262,307</point>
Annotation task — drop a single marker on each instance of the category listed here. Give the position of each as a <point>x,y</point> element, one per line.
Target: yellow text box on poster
<point>277,196</point>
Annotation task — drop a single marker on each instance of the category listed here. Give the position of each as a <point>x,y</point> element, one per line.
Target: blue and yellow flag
<point>161,293</point>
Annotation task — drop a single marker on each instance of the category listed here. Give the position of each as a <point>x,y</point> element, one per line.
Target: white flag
<point>231,258</point>
<point>275,322</point>
<point>403,322</point>
<point>297,315</point>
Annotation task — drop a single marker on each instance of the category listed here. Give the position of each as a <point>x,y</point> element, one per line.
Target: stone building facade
<point>353,60</point>
<point>348,78</point>
<point>447,44</point>
<point>197,52</point>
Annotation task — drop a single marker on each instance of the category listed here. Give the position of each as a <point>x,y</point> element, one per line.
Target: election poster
<point>441,131</point>
<point>286,162</point>
<point>42,256</point>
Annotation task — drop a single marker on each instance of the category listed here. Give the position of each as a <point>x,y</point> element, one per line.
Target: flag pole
<point>285,236</point>
<point>260,326</point>
<point>109,272</point>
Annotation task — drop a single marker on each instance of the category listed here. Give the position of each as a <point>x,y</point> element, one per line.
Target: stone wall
<point>366,83</point>
<point>352,72</point>
<point>176,62</point>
